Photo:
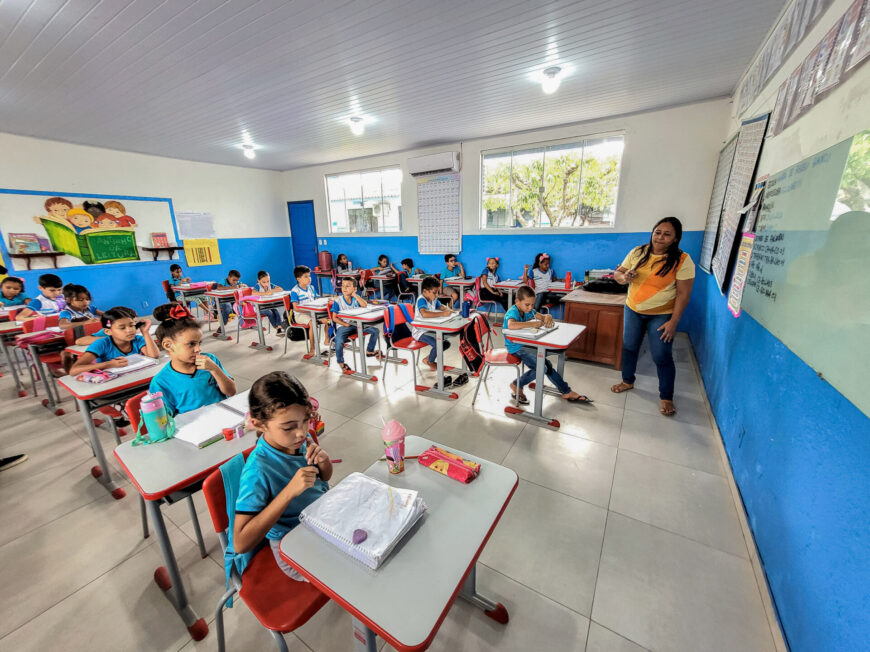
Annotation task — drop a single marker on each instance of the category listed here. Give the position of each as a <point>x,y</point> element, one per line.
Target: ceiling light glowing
<point>551,80</point>
<point>249,151</point>
<point>357,125</point>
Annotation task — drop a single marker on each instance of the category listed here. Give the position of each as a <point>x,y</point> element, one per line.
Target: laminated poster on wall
<point>202,251</point>
<point>862,40</point>
<point>439,213</point>
<point>741,269</point>
<point>717,198</point>
<point>833,71</point>
<point>194,225</point>
<point>87,229</point>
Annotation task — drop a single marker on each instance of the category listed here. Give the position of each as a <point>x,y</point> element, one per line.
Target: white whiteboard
<point>439,213</point>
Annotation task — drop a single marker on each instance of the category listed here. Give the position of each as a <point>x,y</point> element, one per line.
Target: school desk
<point>217,297</point>
<point>510,287</point>
<point>160,470</point>
<point>450,327</point>
<point>374,316</point>
<point>407,598</point>
<point>381,279</point>
<point>8,331</point>
<point>37,350</point>
<point>320,276</point>
<point>558,340</point>
<point>92,396</point>
<point>316,311</point>
<point>263,302</point>
<point>416,280</point>
<point>460,284</point>
<point>187,292</point>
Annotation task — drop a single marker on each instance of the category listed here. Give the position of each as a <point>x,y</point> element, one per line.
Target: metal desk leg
<point>260,334</point>
<point>46,381</point>
<point>168,577</point>
<point>438,391</point>
<point>101,472</point>
<point>14,368</point>
<point>537,415</point>
<point>494,610</point>
<point>222,329</point>
<point>364,639</point>
<point>317,357</point>
<point>363,373</point>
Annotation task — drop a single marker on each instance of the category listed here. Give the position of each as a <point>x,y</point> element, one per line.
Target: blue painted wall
<point>800,453</point>
<point>131,284</point>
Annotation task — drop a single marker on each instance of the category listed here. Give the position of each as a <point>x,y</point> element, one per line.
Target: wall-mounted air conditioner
<point>434,164</point>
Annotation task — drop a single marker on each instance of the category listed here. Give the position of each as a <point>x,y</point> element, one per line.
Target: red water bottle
<point>568,280</point>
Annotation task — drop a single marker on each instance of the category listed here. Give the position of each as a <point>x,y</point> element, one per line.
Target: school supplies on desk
<point>237,403</point>
<point>359,502</point>
<point>97,376</point>
<point>532,333</point>
<point>319,303</point>
<point>155,423</point>
<point>393,436</point>
<point>135,362</point>
<point>449,464</point>
<point>436,320</point>
<point>356,312</point>
<point>205,425</point>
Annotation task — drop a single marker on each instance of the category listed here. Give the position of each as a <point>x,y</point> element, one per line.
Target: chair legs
<point>219,618</point>
<point>280,643</point>
<point>484,373</point>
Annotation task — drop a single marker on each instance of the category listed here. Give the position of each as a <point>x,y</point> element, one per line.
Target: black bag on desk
<point>605,286</point>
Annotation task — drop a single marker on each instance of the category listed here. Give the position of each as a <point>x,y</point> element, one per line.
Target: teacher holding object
<point>660,277</point>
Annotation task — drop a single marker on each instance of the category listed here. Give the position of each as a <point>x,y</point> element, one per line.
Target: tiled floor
<point>622,536</point>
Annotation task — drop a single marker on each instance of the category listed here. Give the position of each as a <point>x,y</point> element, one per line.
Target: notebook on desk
<point>237,403</point>
<point>362,503</point>
<point>135,362</point>
<point>356,312</point>
<point>205,425</point>
<point>322,302</point>
<point>533,333</point>
<point>436,320</point>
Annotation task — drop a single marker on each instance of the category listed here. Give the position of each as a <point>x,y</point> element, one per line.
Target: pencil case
<point>98,376</point>
<point>449,464</point>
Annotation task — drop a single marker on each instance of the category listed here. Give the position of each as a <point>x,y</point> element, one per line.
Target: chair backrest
<point>393,315</point>
<point>170,295</point>
<point>216,499</point>
<point>364,276</point>
<point>75,331</point>
<point>245,308</point>
<point>132,409</point>
<point>39,323</point>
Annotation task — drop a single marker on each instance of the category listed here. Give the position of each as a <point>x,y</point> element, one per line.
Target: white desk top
<point>453,325</point>
<point>9,327</point>
<point>459,280</point>
<point>375,315</point>
<point>508,283</point>
<point>582,296</point>
<point>223,293</point>
<point>267,298</point>
<point>560,338</point>
<point>349,272</point>
<point>89,391</point>
<point>407,597</point>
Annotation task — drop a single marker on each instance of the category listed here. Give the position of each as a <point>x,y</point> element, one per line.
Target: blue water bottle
<point>466,308</point>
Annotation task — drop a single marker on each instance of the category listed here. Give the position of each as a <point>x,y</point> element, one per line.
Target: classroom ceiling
<point>196,79</point>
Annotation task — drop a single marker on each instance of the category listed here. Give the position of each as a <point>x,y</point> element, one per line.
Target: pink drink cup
<point>393,436</point>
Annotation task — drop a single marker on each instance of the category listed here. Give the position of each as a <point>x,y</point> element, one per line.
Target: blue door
<point>303,233</point>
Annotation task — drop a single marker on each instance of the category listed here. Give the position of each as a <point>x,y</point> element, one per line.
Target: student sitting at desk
<point>542,275</point>
<point>192,379</point>
<point>346,301</point>
<point>231,282</point>
<point>342,264</point>
<point>522,315</point>
<point>49,300</point>
<point>264,288</point>
<point>384,268</point>
<point>176,278</point>
<point>488,278</point>
<point>428,306</point>
<point>78,308</point>
<point>304,291</point>
<point>12,292</point>
<point>406,271</point>
<point>454,269</point>
<point>280,477</point>
<point>124,336</point>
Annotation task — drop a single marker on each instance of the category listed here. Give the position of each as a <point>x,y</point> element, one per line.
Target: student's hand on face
<point>146,324</point>
<point>315,454</point>
<point>302,480</point>
<point>206,363</point>
<point>117,362</point>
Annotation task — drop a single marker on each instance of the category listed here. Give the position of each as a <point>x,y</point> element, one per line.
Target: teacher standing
<point>660,277</point>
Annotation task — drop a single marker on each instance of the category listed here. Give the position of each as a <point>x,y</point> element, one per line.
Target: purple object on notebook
<point>359,536</point>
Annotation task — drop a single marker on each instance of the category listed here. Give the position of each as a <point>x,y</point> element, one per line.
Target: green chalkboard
<point>806,282</point>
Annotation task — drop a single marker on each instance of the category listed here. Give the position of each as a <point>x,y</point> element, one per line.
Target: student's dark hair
<point>234,272</point>
<point>672,255</point>
<point>114,314</point>
<point>174,266</point>
<point>383,257</point>
<point>340,256</point>
<point>261,274</point>
<point>430,283</point>
<point>174,319</point>
<point>447,257</point>
<point>275,391</point>
<point>13,279</point>
<point>300,270</point>
<point>537,262</point>
<point>50,281</point>
<point>72,290</point>
<point>408,262</point>
<point>525,292</point>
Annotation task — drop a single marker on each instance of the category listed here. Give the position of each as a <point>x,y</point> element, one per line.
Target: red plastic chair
<point>280,604</point>
<point>478,302</point>
<point>493,357</point>
<point>167,289</point>
<point>288,308</point>
<point>34,325</point>
<point>364,276</point>
<point>393,316</point>
<point>247,316</point>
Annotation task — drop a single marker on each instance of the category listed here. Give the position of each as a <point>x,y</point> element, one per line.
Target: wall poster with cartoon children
<point>89,229</point>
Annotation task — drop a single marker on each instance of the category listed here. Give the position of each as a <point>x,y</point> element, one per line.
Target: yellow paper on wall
<point>202,251</point>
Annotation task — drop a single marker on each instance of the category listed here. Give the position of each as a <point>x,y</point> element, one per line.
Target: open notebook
<point>359,502</point>
<point>436,320</point>
<point>135,362</point>
<point>205,425</point>
<point>356,312</point>
<point>533,333</point>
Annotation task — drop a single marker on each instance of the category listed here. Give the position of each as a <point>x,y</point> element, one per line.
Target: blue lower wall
<point>138,285</point>
<point>800,453</point>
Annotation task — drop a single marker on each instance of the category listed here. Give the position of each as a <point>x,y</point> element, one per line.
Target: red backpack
<point>474,340</point>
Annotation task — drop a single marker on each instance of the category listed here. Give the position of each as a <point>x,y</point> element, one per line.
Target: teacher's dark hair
<point>672,255</point>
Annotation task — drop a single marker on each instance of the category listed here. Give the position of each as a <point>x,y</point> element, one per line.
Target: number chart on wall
<point>85,229</point>
<point>439,213</point>
<point>806,282</point>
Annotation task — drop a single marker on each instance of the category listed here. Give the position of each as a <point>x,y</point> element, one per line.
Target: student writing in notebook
<point>429,306</point>
<point>347,300</point>
<point>523,315</point>
<point>125,335</point>
<point>284,473</point>
<point>192,379</point>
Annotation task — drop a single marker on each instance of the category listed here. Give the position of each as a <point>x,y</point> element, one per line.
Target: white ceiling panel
<point>186,79</point>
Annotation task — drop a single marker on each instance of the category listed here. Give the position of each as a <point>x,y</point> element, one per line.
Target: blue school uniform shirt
<point>45,306</point>
<point>542,279</point>
<point>105,349</point>
<point>423,304</point>
<point>19,299</point>
<point>491,276</point>
<point>514,313</point>
<point>266,473</point>
<point>298,295</point>
<point>342,304</point>
<point>186,392</point>
<point>448,273</point>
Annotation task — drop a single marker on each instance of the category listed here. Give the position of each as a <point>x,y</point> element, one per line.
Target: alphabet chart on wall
<point>439,213</point>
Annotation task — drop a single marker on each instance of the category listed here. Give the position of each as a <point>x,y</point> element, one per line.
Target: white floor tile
<point>602,639</point>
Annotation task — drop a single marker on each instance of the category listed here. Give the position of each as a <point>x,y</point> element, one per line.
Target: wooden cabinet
<point>602,339</point>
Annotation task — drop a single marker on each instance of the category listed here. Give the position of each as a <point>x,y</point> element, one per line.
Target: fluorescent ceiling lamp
<point>551,79</point>
<point>357,125</point>
<point>249,151</point>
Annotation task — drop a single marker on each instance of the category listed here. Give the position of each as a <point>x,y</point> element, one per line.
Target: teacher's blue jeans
<point>635,326</point>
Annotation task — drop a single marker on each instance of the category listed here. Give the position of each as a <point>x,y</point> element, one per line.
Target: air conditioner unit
<point>434,164</point>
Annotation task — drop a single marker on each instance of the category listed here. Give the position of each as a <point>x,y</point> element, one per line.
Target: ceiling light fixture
<point>357,125</point>
<point>249,151</point>
<point>551,79</point>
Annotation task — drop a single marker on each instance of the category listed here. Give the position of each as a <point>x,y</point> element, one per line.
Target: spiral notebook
<point>359,502</point>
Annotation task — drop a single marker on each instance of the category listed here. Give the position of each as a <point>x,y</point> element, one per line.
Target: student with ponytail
<point>192,379</point>
<point>125,335</point>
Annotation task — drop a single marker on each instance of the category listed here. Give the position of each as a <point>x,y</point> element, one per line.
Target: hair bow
<point>178,311</point>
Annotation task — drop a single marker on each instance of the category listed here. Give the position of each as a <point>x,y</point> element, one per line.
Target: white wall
<point>837,116</point>
<point>245,203</point>
<point>667,168</point>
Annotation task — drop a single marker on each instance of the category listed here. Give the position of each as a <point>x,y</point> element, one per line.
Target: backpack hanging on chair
<point>472,341</point>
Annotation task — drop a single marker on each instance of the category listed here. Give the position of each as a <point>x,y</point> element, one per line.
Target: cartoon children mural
<point>119,214</point>
<point>80,219</point>
<point>58,207</point>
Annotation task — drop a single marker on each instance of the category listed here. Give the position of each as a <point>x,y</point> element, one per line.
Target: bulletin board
<point>717,200</point>
<point>439,213</point>
<point>805,282</point>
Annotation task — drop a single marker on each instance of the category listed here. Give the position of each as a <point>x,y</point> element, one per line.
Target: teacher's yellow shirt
<point>650,294</point>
